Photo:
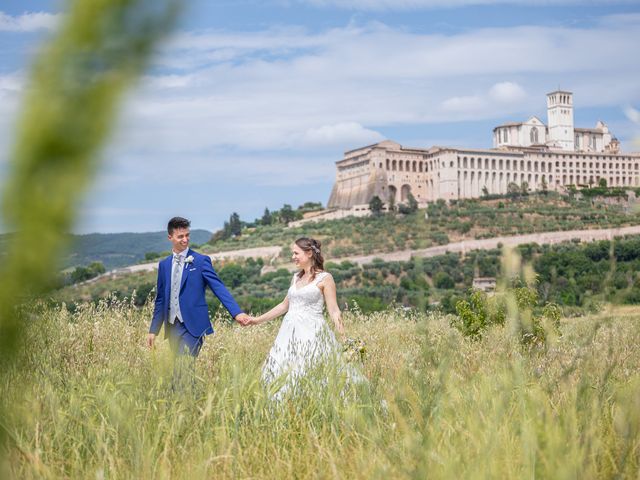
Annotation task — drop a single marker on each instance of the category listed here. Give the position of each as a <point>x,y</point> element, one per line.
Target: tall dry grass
<point>89,401</point>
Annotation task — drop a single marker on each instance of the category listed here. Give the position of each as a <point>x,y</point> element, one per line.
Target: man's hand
<point>151,339</point>
<point>243,319</point>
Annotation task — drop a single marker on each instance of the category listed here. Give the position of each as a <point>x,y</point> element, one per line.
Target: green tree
<point>267,218</point>
<point>233,275</point>
<point>235,225</point>
<point>287,214</point>
<point>82,274</point>
<point>392,203</point>
<point>412,203</point>
<point>602,183</point>
<point>376,205</point>
<point>513,191</point>
<point>310,207</point>
<point>443,280</point>
<point>410,207</point>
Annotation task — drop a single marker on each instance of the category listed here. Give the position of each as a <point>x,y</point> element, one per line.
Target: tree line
<point>233,227</point>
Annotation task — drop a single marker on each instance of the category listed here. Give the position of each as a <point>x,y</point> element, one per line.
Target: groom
<point>180,303</point>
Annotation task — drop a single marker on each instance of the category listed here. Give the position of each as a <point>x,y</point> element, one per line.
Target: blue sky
<point>250,103</point>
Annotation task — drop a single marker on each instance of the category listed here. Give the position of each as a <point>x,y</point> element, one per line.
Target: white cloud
<point>499,95</point>
<point>471,103</point>
<point>192,171</point>
<point>289,89</point>
<point>632,114</point>
<point>11,83</point>
<point>341,134</point>
<point>507,92</point>
<point>28,22</point>
<point>429,4</point>
<point>11,86</point>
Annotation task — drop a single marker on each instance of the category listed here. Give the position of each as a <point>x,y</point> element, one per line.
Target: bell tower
<point>560,120</point>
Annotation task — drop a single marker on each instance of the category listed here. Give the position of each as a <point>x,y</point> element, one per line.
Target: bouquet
<point>354,349</point>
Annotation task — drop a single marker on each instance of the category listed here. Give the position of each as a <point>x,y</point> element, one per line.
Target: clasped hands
<point>245,320</point>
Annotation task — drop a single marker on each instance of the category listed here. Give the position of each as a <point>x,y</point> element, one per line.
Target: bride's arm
<point>275,312</point>
<point>330,299</point>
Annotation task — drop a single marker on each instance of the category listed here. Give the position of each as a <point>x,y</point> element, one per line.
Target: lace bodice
<point>306,300</point>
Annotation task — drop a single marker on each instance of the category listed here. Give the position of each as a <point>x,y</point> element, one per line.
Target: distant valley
<point>116,249</point>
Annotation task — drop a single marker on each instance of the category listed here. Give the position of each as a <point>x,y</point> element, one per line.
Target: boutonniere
<point>189,259</point>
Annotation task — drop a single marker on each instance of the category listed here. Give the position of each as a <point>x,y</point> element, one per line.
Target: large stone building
<point>548,156</point>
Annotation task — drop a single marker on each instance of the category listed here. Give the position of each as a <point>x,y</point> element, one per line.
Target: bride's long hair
<point>317,261</point>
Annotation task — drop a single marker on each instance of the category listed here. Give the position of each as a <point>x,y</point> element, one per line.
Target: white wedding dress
<point>304,341</point>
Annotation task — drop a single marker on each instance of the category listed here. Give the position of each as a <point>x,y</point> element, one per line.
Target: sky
<point>250,103</point>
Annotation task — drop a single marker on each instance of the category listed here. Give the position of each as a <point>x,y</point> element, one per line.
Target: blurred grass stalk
<point>72,99</point>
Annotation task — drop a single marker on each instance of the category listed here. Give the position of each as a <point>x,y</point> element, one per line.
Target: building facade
<point>550,156</point>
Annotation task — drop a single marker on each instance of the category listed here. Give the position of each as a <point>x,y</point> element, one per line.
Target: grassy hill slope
<point>440,224</point>
<point>579,277</point>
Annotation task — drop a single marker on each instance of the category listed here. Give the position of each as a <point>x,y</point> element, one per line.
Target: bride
<point>305,340</point>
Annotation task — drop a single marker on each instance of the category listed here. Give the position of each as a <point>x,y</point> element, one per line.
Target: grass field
<point>87,400</point>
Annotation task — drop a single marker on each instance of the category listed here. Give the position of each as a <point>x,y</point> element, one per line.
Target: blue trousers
<point>181,341</point>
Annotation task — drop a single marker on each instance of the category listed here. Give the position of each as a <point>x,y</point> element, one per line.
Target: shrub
<point>443,281</point>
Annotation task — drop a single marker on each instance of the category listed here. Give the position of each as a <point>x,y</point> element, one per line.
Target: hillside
<point>420,283</point>
<point>440,224</point>
<point>579,277</point>
<point>116,249</point>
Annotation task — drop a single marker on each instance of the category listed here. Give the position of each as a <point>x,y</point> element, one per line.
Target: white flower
<point>189,259</point>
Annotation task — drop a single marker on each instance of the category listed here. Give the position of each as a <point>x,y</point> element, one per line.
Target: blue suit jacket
<point>196,276</point>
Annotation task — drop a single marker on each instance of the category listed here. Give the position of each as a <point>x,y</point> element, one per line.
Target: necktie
<point>175,288</point>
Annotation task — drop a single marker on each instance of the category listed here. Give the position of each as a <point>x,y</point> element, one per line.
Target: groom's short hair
<point>177,222</point>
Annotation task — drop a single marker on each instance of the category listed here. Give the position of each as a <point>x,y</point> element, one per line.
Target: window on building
<point>534,135</point>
